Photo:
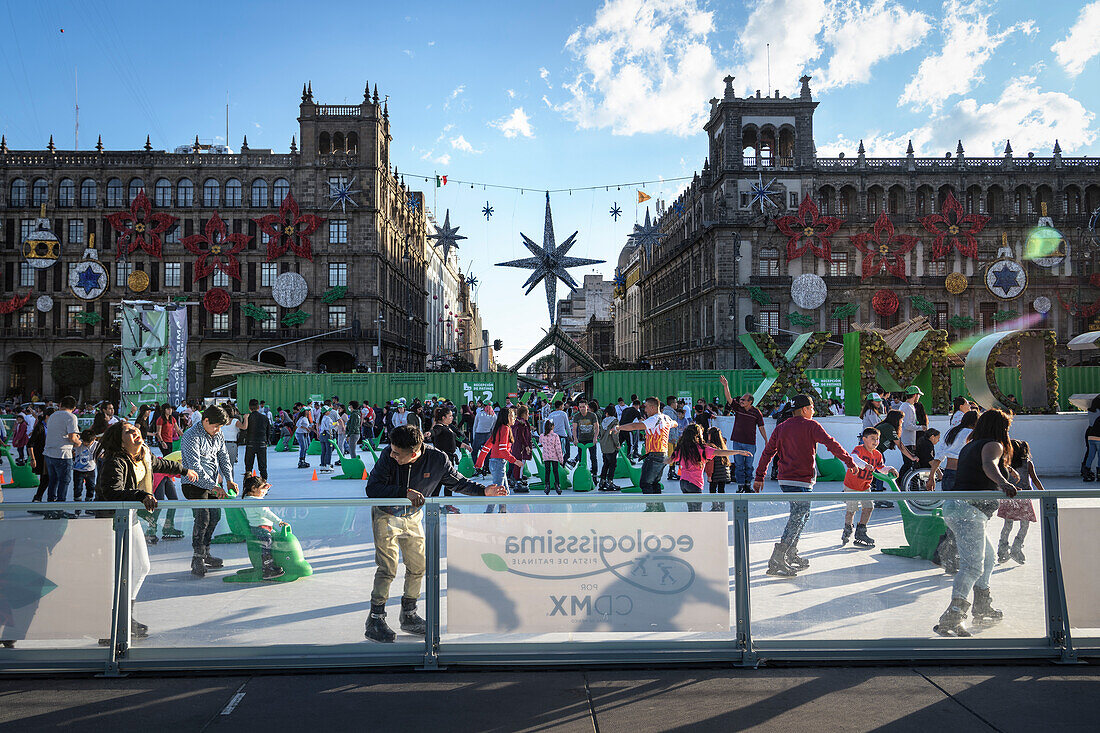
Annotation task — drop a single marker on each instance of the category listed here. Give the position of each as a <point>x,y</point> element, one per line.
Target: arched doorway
<point>26,375</point>
<point>206,381</point>
<point>73,373</point>
<point>333,362</point>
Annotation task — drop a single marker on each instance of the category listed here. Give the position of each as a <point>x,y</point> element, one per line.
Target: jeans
<point>1093,452</point>
<point>687,487</point>
<point>652,468</point>
<point>976,554</point>
<point>353,443</point>
<point>206,520</point>
<point>800,513</point>
<point>84,481</point>
<point>326,449</point>
<point>948,479</point>
<point>303,445</point>
<point>263,536</point>
<point>496,473</point>
<point>61,477</point>
<point>742,465</point>
<point>610,460</point>
<point>391,533</point>
<point>565,443</point>
<point>257,454</point>
<point>479,441</point>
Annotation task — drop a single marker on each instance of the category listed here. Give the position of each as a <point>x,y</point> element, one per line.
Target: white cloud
<point>443,133</point>
<point>513,125</point>
<point>444,159</point>
<point>544,74</point>
<point>1025,114</point>
<point>1079,45</point>
<point>257,125</point>
<point>547,102</point>
<point>647,67</point>
<point>407,52</point>
<point>861,35</point>
<point>791,49</point>
<point>968,43</point>
<point>511,93</point>
<point>459,143</point>
<point>431,43</point>
<point>458,90</point>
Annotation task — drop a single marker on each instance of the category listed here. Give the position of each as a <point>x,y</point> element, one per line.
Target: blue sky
<point>552,95</point>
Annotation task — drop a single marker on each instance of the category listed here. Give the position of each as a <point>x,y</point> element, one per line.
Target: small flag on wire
<point>643,196</point>
<point>440,181</point>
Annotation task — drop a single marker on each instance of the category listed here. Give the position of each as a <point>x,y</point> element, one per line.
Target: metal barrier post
<point>119,641</point>
<point>1058,623</point>
<point>431,540</point>
<point>741,582</point>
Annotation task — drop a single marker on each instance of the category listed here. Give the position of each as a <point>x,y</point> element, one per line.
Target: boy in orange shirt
<point>859,479</point>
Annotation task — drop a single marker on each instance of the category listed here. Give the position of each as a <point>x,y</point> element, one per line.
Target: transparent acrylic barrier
<point>1079,547</point>
<point>890,591</point>
<point>568,572</point>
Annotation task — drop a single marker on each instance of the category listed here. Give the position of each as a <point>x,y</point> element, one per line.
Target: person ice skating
<point>859,479</point>
<point>262,521</point>
<point>585,428</point>
<point>552,456</point>
<point>718,468</point>
<point>609,446</point>
<point>983,466</point>
<point>257,430</point>
<point>127,475</point>
<point>890,431</point>
<point>747,421</point>
<point>1018,510</point>
<point>691,454</point>
<point>303,431</point>
<point>657,426</point>
<point>407,469</point>
<point>794,446</point>
<point>497,451</point>
<point>204,452</point>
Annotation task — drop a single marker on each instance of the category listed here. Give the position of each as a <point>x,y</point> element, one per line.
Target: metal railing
<point>118,655</point>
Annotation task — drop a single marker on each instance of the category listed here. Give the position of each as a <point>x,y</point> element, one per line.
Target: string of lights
<point>523,189</point>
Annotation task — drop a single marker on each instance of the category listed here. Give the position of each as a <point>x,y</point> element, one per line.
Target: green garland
<point>255,312</point>
<point>922,304</point>
<point>875,353</point>
<point>791,377</point>
<point>179,299</point>
<point>294,318</point>
<point>759,296</point>
<point>88,318</point>
<point>334,294</point>
<point>798,319</point>
<point>1005,315</point>
<point>962,323</point>
<point>845,310</point>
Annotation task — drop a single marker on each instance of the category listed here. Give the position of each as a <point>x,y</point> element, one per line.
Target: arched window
<point>259,193</point>
<point>185,194</point>
<point>18,195</point>
<point>162,192</point>
<point>353,142</point>
<point>87,193</point>
<point>114,192</point>
<point>338,142</point>
<point>232,192</point>
<point>40,191</point>
<point>323,145</point>
<point>136,186</point>
<point>994,201</point>
<point>281,190</point>
<point>66,192</point>
<point>896,200</point>
<point>211,192</point>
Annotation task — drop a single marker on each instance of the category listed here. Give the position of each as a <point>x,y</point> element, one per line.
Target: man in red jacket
<point>794,445</point>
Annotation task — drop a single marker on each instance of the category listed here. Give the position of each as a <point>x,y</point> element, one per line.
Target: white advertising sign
<point>533,573</point>
<point>56,579</point>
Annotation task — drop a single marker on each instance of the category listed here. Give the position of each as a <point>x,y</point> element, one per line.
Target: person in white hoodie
<point>262,521</point>
<point>484,420</point>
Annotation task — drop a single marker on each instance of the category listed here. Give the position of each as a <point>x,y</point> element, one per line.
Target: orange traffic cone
<point>314,475</point>
<point>364,475</point>
<point>2,476</point>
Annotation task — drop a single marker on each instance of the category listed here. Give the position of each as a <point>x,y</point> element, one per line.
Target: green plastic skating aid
<point>314,448</point>
<point>352,468</point>
<point>22,477</point>
<point>582,477</point>
<point>286,552</point>
<point>922,531</point>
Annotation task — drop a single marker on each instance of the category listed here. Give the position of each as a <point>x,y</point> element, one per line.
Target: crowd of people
<point>112,460</point>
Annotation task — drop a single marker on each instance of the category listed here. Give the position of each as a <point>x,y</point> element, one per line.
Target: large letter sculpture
<point>921,360</point>
<point>785,373</point>
<point>1038,350</point>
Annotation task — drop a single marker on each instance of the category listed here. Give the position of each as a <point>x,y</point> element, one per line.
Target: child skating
<point>692,454</point>
<point>858,478</point>
<point>1018,509</point>
<point>262,521</point>
<point>552,456</point>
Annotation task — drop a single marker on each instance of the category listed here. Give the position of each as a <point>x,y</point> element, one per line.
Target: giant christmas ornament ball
<point>44,304</point>
<point>290,290</point>
<point>809,291</point>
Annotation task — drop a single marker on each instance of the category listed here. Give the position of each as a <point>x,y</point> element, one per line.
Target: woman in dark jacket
<point>521,447</point>
<point>127,475</point>
<point>36,444</point>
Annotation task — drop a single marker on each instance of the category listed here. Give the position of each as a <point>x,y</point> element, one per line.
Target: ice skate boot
<point>846,535</point>
<point>411,622</point>
<point>377,629</point>
<point>1002,551</point>
<point>209,560</point>
<point>138,630</point>
<point>951,620</point>
<point>271,571</point>
<point>1017,551</point>
<point>862,540</point>
<point>983,611</point>
<point>777,564</point>
<point>198,567</point>
<point>794,560</point>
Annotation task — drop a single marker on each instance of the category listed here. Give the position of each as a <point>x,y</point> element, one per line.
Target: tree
<point>73,372</point>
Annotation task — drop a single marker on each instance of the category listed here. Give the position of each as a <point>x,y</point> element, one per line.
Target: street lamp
<point>378,360</point>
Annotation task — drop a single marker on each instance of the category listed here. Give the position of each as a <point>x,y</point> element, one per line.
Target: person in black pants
<point>256,429</point>
<point>204,452</point>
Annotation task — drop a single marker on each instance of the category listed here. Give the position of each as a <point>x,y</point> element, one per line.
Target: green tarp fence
<point>283,390</point>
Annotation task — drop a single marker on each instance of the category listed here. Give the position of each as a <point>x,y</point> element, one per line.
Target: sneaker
<point>378,630</point>
<point>272,571</point>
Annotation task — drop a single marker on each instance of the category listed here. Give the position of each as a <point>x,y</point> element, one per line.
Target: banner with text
<point>531,573</point>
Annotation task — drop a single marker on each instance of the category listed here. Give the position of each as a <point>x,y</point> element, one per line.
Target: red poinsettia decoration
<point>140,227</point>
<point>216,300</point>
<point>1075,308</point>
<point>289,229</point>
<point>885,302</point>
<point>954,228</point>
<point>221,249</point>
<point>883,249</point>
<point>14,304</point>
<point>808,229</point>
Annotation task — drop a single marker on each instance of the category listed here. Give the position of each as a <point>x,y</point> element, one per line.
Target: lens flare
<point>1045,243</point>
<point>1022,323</point>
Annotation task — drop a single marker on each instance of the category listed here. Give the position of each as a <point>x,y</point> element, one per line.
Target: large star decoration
<point>646,235</point>
<point>550,262</point>
<point>140,227</point>
<point>471,281</point>
<point>762,194</point>
<point>1006,279</point>
<point>487,211</point>
<point>446,236</point>
<point>89,279</point>
<point>289,229</point>
<point>341,192</point>
<point>808,229</point>
<point>615,212</point>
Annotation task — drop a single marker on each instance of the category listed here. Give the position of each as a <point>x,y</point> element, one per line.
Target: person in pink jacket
<point>19,437</point>
<point>552,455</point>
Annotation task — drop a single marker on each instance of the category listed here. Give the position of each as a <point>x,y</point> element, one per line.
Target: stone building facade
<point>373,244</point>
<point>723,256</point>
<point>585,316</point>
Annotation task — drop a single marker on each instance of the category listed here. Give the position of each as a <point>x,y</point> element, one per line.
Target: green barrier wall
<point>283,390</point>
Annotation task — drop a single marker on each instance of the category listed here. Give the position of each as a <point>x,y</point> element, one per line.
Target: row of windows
<point>768,320</point>
<point>337,232</point>
<point>164,193</point>
<point>173,274</point>
<point>337,317</point>
<point>768,263</point>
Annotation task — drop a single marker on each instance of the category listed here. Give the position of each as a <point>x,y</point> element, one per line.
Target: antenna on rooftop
<point>768,49</point>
